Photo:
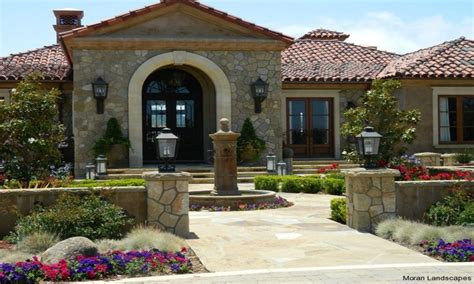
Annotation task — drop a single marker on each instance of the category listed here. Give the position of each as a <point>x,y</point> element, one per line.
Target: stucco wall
<point>23,201</point>
<point>418,94</point>
<point>117,67</point>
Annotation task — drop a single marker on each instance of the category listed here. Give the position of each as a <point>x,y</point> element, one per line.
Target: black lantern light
<point>271,163</point>
<point>101,165</point>
<point>281,168</point>
<point>90,171</point>
<point>368,143</point>
<point>259,93</point>
<point>100,89</point>
<point>166,146</point>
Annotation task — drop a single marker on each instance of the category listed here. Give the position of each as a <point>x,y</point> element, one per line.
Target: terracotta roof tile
<point>451,59</point>
<point>193,3</point>
<point>332,61</point>
<point>49,60</point>
<point>325,35</point>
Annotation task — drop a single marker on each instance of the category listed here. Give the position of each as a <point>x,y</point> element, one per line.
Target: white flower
<point>32,140</point>
<point>344,152</point>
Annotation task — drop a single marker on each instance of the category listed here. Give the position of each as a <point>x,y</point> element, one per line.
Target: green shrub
<point>334,186</point>
<point>465,157</point>
<point>270,183</point>
<point>335,176</point>
<point>73,215</point>
<point>301,184</point>
<point>249,146</point>
<point>455,209</point>
<point>37,242</point>
<point>339,210</point>
<point>298,184</point>
<point>113,136</point>
<point>108,183</point>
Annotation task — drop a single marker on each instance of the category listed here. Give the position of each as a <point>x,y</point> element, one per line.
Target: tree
<point>379,109</point>
<point>29,131</point>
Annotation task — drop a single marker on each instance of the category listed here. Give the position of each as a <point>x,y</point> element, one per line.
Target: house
<point>184,65</point>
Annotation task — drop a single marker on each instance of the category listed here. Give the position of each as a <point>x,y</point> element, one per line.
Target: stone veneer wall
<point>168,201</point>
<point>349,95</point>
<point>414,198</point>
<point>23,201</point>
<point>117,67</point>
<point>370,197</point>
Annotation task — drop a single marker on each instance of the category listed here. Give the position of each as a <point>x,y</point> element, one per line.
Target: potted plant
<point>249,146</point>
<point>114,145</point>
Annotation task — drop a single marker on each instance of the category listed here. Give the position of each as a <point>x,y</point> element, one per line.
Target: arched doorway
<point>173,98</point>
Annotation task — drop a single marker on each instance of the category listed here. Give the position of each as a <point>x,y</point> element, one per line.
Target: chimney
<point>66,20</point>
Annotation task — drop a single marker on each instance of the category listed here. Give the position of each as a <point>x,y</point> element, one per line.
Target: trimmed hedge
<point>107,183</point>
<point>297,184</point>
<point>339,210</point>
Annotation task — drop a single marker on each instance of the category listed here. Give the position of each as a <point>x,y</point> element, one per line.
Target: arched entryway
<point>173,98</point>
<point>199,66</point>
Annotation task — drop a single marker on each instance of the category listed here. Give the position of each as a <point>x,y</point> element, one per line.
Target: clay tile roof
<point>324,34</point>
<point>193,3</point>
<point>332,61</point>
<point>49,60</point>
<point>451,59</point>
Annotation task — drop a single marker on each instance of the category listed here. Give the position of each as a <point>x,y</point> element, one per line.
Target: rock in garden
<point>69,249</point>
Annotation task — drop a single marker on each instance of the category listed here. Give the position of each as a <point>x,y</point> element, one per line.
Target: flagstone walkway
<point>296,237</point>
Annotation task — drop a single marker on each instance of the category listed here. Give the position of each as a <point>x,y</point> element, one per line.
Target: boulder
<point>69,249</point>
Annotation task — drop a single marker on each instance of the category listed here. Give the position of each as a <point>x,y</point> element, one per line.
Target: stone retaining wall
<point>22,201</point>
<point>414,198</point>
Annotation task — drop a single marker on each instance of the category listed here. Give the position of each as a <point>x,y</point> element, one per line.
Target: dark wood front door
<point>310,129</point>
<point>173,98</point>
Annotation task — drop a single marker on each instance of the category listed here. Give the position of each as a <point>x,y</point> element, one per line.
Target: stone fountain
<point>226,192</point>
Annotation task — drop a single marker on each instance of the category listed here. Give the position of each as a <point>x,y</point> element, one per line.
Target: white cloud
<point>390,32</point>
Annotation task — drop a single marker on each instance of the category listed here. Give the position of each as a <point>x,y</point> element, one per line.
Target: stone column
<point>168,201</point>
<point>370,197</point>
<point>448,159</point>
<point>225,160</point>
<point>429,159</point>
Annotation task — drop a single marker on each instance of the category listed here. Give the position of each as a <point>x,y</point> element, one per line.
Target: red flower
<point>91,275</point>
<point>102,268</point>
<point>184,250</point>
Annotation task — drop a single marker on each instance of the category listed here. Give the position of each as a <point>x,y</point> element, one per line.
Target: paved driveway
<point>295,237</point>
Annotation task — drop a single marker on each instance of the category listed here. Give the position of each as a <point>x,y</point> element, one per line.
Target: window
<point>456,119</point>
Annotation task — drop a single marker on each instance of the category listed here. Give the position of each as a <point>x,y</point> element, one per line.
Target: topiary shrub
<point>339,210</point>
<point>465,157</point>
<point>113,136</point>
<point>249,146</point>
<point>72,215</point>
<point>270,183</point>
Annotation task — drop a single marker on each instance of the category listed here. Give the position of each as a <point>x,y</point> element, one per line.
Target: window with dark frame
<point>456,119</point>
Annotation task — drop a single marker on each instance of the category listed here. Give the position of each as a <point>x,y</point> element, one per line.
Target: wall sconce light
<point>259,93</point>
<point>100,89</point>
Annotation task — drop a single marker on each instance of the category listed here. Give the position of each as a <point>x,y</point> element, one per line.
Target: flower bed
<point>279,202</point>
<point>410,170</point>
<point>458,251</point>
<point>109,265</point>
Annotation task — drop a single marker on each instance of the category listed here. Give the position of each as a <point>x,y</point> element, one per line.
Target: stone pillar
<point>449,159</point>
<point>168,201</point>
<point>225,160</point>
<point>370,197</point>
<point>429,159</point>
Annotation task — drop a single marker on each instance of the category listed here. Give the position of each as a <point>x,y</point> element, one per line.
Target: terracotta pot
<point>117,157</point>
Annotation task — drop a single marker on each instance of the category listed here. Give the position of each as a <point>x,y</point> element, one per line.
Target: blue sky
<point>399,26</point>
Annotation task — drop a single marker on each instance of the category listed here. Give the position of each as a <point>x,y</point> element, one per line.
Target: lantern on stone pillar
<point>368,143</point>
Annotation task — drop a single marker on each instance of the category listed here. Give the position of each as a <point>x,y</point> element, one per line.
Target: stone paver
<point>300,236</point>
<point>452,273</point>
